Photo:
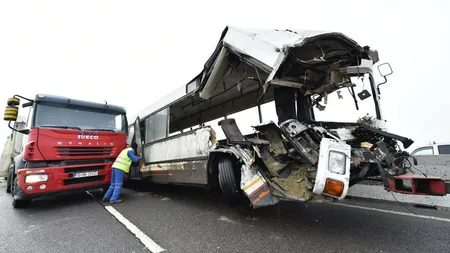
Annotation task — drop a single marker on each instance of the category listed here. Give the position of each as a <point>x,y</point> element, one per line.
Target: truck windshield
<point>55,116</point>
<point>341,107</point>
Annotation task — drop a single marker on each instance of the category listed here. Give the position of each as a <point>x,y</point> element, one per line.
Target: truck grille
<point>84,151</point>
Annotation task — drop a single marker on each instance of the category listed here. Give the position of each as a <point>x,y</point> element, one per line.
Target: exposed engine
<point>293,156</point>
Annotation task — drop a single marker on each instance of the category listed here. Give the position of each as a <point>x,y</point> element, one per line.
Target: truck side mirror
<point>384,69</point>
<point>12,109</point>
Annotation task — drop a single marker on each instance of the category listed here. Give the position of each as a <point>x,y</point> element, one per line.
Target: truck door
<point>135,172</point>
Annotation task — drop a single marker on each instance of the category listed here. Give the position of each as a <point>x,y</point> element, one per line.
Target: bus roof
<point>245,63</point>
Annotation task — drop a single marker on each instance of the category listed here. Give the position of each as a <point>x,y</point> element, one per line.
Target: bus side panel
<point>183,172</point>
<point>179,159</point>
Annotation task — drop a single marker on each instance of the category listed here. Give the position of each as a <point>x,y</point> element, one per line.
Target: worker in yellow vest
<point>120,166</point>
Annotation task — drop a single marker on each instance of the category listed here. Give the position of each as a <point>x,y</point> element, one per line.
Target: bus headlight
<point>36,178</point>
<point>336,162</point>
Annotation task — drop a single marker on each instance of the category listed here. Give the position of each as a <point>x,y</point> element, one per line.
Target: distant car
<point>432,149</point>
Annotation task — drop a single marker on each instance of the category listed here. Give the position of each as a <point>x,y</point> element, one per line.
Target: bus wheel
<point>227,180</point>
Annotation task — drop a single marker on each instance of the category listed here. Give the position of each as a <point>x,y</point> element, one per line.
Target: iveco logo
<point>87,136</point>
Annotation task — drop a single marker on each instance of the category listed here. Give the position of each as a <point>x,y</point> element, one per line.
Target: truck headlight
<point>336,162</point>
<point>36,178</point>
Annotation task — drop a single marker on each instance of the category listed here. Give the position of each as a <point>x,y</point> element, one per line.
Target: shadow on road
<point>61,201</point>
<point>292,220</point>
<point>212,199</point>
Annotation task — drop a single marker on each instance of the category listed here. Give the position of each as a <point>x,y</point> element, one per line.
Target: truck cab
<point>70,145</point>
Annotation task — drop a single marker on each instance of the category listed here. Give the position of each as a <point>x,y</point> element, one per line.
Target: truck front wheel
<point>19,203</point>
<point>8,182</point>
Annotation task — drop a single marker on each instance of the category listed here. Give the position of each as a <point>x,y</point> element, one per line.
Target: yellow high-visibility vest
<point>123,162</point>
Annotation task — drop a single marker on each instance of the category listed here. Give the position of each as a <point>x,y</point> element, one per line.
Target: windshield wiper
<point>64,127</point>
<point>100,129</point>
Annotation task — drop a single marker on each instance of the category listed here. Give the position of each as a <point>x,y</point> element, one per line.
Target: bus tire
<point>227,180</point>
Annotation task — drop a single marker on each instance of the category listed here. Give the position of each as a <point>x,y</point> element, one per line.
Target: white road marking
<point>149,243</point>
<point>395,212</point>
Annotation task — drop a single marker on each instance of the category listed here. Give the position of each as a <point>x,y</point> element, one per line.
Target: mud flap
<point>256,188</point>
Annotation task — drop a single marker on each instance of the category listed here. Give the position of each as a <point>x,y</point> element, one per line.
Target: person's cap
<point>134,145</point>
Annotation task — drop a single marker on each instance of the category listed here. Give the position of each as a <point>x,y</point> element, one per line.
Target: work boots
<point>115,201</point>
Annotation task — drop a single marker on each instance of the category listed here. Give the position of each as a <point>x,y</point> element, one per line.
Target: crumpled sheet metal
<point>256,188</point>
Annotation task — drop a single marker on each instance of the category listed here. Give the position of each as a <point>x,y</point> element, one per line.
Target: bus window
<point>246,119</point>
<point>340,106</point>
<point>269,112</point>
<point>214,124</point>
<point>156,126</point>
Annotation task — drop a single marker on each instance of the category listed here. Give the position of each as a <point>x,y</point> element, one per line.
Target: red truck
<point>71,146</point>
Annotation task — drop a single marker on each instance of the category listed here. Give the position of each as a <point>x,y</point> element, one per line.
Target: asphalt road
<point>186,219</point>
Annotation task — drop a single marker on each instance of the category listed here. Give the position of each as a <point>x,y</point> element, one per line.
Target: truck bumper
<point>58,180</point>
<point>21,194</point>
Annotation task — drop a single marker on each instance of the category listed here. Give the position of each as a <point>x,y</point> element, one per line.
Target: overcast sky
<point>132,53</point>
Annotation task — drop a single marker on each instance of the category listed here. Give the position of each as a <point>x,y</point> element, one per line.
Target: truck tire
<point>227,180</point>
<point>9,181</point>
<point>19,203</point>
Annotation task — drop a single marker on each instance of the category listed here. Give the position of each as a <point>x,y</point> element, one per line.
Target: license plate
<point>87,174</point>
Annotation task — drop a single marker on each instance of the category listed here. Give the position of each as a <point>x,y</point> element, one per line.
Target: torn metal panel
<point>345,134</point>
<point>192,144</point>
<point>267,46</point>
<point>272,133</point>
<point>268,50</point>
<point>298,136</point>
<point>213,86</point>
<point>253,183</point>
<point>256,187</point>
